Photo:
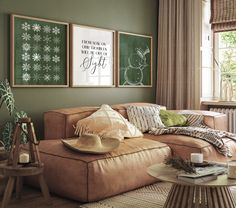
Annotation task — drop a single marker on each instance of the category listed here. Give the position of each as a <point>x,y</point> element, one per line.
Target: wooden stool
<point>16,171</point>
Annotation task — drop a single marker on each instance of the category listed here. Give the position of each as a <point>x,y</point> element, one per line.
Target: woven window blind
<point>223,15</point>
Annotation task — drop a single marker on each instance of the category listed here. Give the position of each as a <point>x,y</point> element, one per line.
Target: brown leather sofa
<point>87,177</point>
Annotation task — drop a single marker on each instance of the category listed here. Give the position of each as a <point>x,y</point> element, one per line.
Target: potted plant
<point>6,129</point>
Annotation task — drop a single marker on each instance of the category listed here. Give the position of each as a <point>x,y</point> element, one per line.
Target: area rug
<point>152,196</point>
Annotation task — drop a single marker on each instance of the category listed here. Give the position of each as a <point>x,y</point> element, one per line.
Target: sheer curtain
<point>179,40</point>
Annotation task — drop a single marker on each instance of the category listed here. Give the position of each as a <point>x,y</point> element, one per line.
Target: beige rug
<point>152,196</point>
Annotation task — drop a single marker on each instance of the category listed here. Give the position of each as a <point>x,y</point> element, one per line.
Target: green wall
<point>137,16</point>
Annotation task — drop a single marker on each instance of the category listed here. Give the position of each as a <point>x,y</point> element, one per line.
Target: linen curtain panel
<point>178,72</point>
<point>223,15</point>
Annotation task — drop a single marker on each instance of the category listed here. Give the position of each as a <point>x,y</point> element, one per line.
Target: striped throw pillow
<point>194,119</point>
<point>145,117</point>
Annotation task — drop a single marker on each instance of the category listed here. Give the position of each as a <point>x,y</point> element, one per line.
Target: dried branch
<point>180,164</point>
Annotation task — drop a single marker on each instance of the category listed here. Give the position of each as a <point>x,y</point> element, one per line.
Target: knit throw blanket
<point>213,136</point>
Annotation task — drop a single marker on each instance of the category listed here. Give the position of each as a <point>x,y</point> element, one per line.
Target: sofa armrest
<point>212,119</point>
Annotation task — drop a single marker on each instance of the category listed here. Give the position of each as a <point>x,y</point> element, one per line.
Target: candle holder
<point>33,152</point>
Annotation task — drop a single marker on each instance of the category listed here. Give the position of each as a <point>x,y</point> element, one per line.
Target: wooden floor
<point>32,198</point>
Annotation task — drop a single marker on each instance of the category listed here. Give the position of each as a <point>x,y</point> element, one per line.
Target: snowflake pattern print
<point>36,27</point>
<point>26,77</point>
<point>37,37</point>
<point>25,26</point>
<point>42,50</point>
<point>26,46</point>
<point>26,67</point>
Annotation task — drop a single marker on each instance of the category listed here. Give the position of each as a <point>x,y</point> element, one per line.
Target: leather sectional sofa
<point>87,177</point>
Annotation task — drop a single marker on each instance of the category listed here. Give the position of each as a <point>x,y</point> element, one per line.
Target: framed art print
<point>39,52</point>
<point>92,50</point>
<point>134,60</point>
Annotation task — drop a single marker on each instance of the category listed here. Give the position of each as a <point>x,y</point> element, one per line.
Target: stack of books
<point>203,174</point>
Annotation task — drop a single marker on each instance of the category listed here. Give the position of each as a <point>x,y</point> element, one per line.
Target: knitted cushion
<point>107,122</point>
<point>145,117</point>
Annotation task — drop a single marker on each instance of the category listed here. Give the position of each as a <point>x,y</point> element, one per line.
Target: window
<point>206,53</point>
<point>225,64</point>
<point>218,57</point>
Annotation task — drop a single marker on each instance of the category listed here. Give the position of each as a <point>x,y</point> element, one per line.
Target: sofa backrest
<point>59,124</point>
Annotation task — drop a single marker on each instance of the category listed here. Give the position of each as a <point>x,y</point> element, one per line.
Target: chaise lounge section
<point>87,177</point>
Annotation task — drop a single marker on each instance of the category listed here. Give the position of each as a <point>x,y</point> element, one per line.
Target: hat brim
<point>108,144</point>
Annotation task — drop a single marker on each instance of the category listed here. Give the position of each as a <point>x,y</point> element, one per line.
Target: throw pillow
<point>194,119</point>
<point>107,123</point>
<point>145,117</point>
<point>169,118</point>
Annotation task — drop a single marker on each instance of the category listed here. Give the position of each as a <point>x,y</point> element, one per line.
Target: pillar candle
<point>232,169</point>
<point>24,158</point>
<point>196,157</point>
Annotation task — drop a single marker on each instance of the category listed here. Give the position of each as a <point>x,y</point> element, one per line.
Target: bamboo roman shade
<point>223,15</point>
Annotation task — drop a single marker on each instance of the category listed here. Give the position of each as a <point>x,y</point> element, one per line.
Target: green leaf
<point>7,135</point>
<point>8,128</point>
<point>6,96</point>
<point>17,116</point>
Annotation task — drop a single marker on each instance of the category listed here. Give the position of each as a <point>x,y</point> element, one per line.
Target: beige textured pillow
<point>107,122</point>
<point>145,117</point>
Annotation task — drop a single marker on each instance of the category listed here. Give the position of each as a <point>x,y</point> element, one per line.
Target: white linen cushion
<point>145,117</point>
<point>107,122</point>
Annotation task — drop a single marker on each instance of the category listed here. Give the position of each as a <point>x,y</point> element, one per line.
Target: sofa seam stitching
<point>193,147</point>
<point>188,146</point>
<point>104,158</point>
<point>87,182</point>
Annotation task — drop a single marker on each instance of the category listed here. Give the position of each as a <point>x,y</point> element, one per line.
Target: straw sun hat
<point>91,143</point>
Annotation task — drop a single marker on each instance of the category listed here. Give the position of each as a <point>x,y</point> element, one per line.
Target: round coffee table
<point>211,194</point>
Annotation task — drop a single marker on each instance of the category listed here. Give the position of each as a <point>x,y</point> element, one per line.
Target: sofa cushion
<point>87,177</point>
<point>170,118</point>
<point>107,122</point>
<point>194,119</point>
<point>145,117</point>
<point>183,146</point>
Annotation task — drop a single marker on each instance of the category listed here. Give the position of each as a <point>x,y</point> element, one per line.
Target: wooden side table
<point>15,171</point>
<point>3,179</point>
<point>15,175</point>
<point>211,194</point>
